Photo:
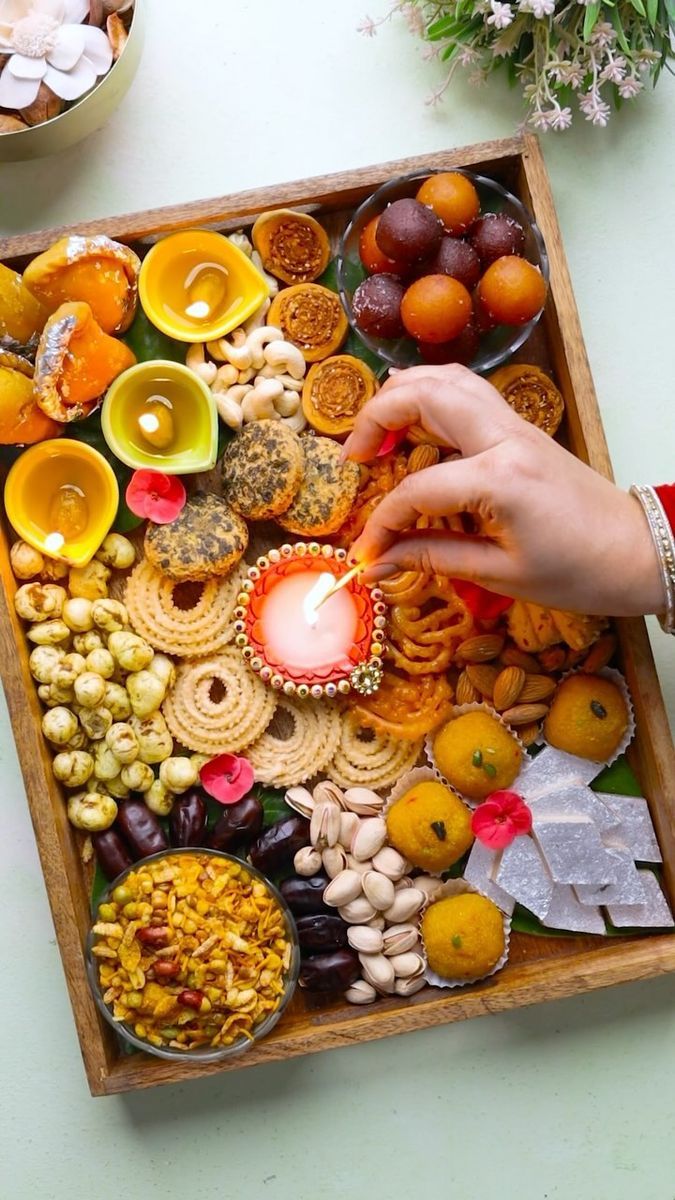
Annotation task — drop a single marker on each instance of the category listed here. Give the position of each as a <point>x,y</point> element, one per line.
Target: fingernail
<point>380,571</point>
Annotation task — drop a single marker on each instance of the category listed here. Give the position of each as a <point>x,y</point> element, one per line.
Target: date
<point>324,973</point>
<point>112,853</point>
<point>305,896</point>
<point>140,828</point>
<point>321,931</point>
<point>187,823</point>
<point>240,822</point>
<point>276,846</point>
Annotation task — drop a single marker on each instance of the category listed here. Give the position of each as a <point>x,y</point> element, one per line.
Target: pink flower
<point>155,496</point>
<point>227,778</point>
<point>500,819</point>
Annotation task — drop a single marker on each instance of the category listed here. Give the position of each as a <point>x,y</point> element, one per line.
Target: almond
<point>511,656</point>
<point>483,677</point>
<point>523,714</point>
<point>481,648</point>
<point>528,733</point>
<point>600,654</point>
<point>422,457</point>
<point>537,687</point>
<point>508,687</point>
<point>553,658</point>
<point>466,693</point>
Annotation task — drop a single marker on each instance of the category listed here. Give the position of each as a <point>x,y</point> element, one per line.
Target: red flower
<point>227,778</point>
<point>159,497</point>
<point>483,604</point>
<point>501,818</point>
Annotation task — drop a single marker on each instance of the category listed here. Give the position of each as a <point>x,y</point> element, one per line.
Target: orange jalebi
<point>378,478</point>
<point>427,621</point>
<point>404,707</point>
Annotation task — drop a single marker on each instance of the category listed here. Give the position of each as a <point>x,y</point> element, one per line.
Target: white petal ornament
<point>17,93</point>
<point>70,85</point>
<point>23,67</point>
<point>69,48</point>
<point>97,49</point>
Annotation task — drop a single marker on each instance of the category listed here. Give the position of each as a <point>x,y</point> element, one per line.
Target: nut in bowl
<point>193,955</point>
<point>422,287</point>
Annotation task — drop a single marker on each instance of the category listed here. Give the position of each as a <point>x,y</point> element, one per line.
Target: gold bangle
<point>664,541</point>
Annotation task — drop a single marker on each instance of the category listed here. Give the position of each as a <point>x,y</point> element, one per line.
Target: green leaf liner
<point>90,432</point>
<point>353,345</point>
<point>148,342</point>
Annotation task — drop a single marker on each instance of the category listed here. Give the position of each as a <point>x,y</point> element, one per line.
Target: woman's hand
<point>550,529</point>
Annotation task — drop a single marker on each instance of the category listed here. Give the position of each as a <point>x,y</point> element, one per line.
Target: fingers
<point>440,553</point>
<point>458,408</point>
<point>439,491</point>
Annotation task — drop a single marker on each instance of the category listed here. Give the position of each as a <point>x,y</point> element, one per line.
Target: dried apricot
<point>436,308</point>
<point>453,198</point>
<point>374,259</point>
<point>512,291</point>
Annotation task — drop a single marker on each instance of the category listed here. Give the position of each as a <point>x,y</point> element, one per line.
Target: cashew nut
<point>286,357</point>
<point>258,340</point>
<point>288,404</point>
<point>195,359</point>
<point>288,382</point>
<point>258,317</point>
<point>297,422</point>
<point>259,406</point>
<point>226,376</point>
<point>236,351</point>
<point>272,283</point>
<point>240,240</point>
<point>229,411</point>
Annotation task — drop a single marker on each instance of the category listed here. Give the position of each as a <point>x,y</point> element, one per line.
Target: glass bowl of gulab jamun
<point>443,266</point>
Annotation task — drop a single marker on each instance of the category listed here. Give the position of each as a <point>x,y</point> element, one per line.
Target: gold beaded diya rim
<point>364,678</point>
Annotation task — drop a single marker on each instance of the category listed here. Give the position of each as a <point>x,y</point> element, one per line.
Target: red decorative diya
<point>339,649</point>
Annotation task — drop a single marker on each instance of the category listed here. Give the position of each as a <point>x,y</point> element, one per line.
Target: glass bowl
<point>496,345</point>
<point>202,1054</point>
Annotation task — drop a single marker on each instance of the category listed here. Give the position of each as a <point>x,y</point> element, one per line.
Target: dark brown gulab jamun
<point>458,259</point>
<point>495,235</point>
<point>408,232</point>
<point>462,349</point>
<point>377,306</point>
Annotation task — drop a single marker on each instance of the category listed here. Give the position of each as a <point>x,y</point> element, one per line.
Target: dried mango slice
<point>22,317</point>
<point>530,393</point>
<point>76,361</point>
<point>97,270</point>
<point>335,391</point>
<point>311,317</point>
<point>292,245</point>
<point>22,422</point>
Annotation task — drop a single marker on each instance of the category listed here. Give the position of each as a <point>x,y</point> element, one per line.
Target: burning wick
<point>211,285</point>
<point>325,586</point>
<point>148,422</point>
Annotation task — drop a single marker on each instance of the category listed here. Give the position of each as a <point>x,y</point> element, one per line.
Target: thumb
<point>440,552</point>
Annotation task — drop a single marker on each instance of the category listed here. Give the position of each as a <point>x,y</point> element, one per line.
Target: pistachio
<point>334,861</point>
<point>361,867</point>
<point>378,970</point>
<point>327,792</point>
<point>378,889</point>
<point>408,987</point>
<point>349,823</point>
<point>406,966</point>
<point>342,890</point>
<point>398,939</point>
<point>324,826</point>
<point>356,912</point>
<point>369,838</point>
<point>429,884</point>
<point>377,922</point>
<point>307,861</point>
<point>407,902</point>
<point>365,939</point>
<point>363,801</point>
<point>390,863</point>
<point>300,800</point>
<point>361,992</point>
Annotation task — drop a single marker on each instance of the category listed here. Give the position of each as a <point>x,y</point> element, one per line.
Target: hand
<point>550,529</point>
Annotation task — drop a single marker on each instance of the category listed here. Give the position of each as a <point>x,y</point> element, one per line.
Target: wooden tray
<point>540,968</point>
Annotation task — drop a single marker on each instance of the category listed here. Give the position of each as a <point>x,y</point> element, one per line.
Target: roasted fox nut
<point>408,231</point>
<point>495,235</point>
<point>377,306</point>
<point>458,259</point>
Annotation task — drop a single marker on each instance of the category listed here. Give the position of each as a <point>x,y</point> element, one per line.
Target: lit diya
<point>307,624</point>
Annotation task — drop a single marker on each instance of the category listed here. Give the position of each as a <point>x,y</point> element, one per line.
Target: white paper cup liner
<point>459,711</point>
<point>410,780</point>
<point>457,887</point>
<point>617,678</point>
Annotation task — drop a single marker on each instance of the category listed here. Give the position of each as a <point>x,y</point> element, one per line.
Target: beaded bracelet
<point>664,540</point>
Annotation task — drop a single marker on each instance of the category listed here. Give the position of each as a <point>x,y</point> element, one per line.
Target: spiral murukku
<point>217,705</point>
<point>300,741</point>
<point>367,758</point>
<point>189,620</point>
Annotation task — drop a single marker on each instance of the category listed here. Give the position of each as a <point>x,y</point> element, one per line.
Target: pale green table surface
<point>573,1100</point>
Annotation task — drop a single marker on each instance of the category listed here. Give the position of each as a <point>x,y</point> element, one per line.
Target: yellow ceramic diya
<point>160,416</point>
<point>61,497</point>
<point>196,286</point>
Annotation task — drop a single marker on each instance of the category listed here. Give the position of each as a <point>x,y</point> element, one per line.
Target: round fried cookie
<point>189,620</point>
<point>299,742</point>
<point>217,705</point>
<point>207,538</point>
<point>262,469</point>
<point>327,491</point>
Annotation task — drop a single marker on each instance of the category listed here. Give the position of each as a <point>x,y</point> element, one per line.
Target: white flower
<point>615,70</point>
<point>646,58</point>
<point>468,56</point>
<point>560,118</point>
<point>367,27</point>
<point>630,87</point>
<point>46,43</point>
<point>603,35</point>
<point>414,19</point>
<point>571,73</point>
<point>542,8</point>
<point>501,16</point>
<point>540,119</point>
<point>594,108</point>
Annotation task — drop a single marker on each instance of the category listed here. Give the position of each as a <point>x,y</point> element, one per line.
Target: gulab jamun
<point>495,235</point>
<point>457,258</point>
<point>436,308</point>
<point>370,254</point>
<point>377,306</point>
<point>512,291</point>
<point>453,198</point>
<point>408,232</point>
<point>462,349</point>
